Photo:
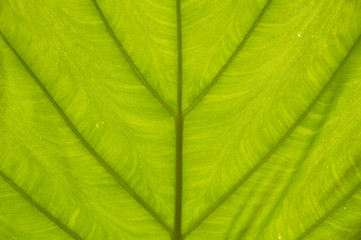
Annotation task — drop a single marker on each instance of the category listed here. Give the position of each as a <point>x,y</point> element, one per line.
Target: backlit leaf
<point>174,119</point>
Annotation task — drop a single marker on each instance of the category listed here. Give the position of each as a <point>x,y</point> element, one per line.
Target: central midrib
<point>179,119</point>
<point>179,115</point>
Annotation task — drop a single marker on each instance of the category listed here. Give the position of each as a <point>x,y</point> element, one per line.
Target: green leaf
<point>173,119</point>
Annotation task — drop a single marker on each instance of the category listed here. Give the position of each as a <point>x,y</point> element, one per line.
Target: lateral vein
<point>330,212</point>
<point>229,61</point>
<point>275,148</point>
<point>131,63</point>
<point>84,141</point>
<point>28,198</point>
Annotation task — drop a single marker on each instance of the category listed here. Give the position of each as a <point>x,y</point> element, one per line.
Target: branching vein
<point>131,63</point>
<point>40,208</point>
<point>330,212</point>
<point>229,61</point>
<point>275,147</point>
<point>84,141</point>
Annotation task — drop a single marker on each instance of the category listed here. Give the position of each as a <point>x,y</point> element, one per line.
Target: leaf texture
<point>180,119</point>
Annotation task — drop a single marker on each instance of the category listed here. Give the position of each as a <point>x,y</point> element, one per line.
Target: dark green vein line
<point>229,61</point>
<point>85,143</point>
<point>275,148</point>
<point>177,234</point>
<point>282,196</point>
<point>131,63</point>
<point>40,208</point>
<point>330,212</point>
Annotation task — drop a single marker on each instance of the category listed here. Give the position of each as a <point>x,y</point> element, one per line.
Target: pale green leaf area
<point>180,119</point>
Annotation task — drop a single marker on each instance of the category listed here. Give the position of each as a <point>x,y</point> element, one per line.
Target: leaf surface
<point>196,119</point>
